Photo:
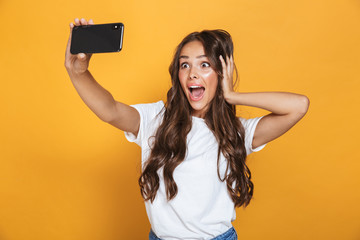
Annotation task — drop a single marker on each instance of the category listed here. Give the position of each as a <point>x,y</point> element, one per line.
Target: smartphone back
<point>97,38</point>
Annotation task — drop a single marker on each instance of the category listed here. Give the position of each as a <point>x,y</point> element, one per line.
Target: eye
<point>205,64</point>
<point>184,65</point>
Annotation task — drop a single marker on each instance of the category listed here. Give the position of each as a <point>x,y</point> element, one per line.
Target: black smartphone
<point>97,38</point>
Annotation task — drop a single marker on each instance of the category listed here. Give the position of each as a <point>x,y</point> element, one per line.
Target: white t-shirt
<point>202,208</point>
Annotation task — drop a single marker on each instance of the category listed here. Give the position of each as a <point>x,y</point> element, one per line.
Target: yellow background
<point>66,175</point>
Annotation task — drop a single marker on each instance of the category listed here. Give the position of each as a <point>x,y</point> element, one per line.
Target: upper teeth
<point>195,86</point>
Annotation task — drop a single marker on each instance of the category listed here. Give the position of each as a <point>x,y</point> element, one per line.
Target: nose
<point>193,74</point>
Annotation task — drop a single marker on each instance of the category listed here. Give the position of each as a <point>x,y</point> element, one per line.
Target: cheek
<point>214,87</point>
<point>182,79</point>
<point>182,76</point>
<point>212,82</point>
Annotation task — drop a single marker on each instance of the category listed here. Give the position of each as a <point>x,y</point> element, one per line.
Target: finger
<point>81,56</point>
<point>69,41</point>
<point>232,64</point>
<point>224,69</point>
<point>91,22</point>
<point>84,57</point>
<point>83,21</point>
<point>71,28</point>
<point>228,65</point>
<point>77,22</point>
<point>223,64</point>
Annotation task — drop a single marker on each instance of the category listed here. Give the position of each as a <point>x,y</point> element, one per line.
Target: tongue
<point>197,92</point>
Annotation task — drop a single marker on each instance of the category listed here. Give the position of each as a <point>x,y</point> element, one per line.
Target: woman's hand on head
<point>228,72</point>
<point>77,63</point>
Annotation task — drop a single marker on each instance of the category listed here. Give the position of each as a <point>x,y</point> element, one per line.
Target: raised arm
<point>97,98</point>
<point>286,108</point>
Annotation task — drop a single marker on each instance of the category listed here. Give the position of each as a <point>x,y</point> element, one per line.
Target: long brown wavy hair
<point>169,146</point>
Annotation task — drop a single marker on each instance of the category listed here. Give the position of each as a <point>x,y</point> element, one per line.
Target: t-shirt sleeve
<point>147,112</point>
<point>250,126</point>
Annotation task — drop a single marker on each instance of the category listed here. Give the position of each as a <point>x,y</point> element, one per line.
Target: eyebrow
<point>182,56</point>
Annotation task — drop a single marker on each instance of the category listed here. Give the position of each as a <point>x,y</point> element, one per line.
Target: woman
<point>194,147</point>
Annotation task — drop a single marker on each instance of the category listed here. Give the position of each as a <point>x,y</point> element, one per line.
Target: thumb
<point>81,56</point>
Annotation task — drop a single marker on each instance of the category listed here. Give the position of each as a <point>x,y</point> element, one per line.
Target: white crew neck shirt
<point>202,208</point>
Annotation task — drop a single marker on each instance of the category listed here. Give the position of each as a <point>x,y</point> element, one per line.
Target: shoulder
<point>149,106</point>
<point>149,109</point>
<point>250,127</point>
<point>148,121</point>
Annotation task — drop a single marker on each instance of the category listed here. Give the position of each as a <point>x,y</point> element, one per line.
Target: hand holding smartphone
<point>90,38</point>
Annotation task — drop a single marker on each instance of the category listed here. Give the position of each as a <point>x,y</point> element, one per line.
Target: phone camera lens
<point>116,27</point>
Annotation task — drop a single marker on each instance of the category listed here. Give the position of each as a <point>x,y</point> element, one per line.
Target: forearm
<point>97,98</point>
<point>276,102</point>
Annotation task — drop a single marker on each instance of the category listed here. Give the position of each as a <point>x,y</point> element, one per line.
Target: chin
<point>198,109</point>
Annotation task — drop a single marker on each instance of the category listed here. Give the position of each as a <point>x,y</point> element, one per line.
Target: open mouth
<point>196,92</point>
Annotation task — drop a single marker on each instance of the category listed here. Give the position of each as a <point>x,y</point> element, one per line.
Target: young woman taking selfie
<point>194,147</point>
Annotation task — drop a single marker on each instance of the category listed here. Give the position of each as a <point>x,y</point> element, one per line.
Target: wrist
<point>76,74</point>
<point>230,97</point>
